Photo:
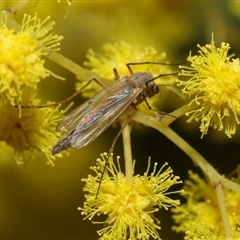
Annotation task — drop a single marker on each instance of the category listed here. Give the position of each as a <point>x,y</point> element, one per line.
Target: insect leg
<point>144,63</point>
<point>112,147</point>
<point>161,113</point>
<point>119,133</point>
<point>116,73</point>
<point>80,90</point>
<point>69,98</point>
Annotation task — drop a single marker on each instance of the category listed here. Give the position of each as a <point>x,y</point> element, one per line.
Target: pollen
<point>214,84</point>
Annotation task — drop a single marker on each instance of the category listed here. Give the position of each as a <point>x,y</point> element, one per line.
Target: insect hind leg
<point>69,98</point>
<point>112,147</point>
<point>79,91</point>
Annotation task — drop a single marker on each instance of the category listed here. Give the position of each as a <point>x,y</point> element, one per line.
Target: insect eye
<point>155,89</point>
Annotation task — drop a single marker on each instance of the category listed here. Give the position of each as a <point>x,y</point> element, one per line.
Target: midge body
<point>85,123</point>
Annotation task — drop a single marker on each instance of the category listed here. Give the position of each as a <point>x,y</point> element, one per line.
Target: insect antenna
<point>162,75</point>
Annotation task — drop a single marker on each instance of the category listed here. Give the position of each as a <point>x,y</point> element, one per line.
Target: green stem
<point>127,149</point>
<point>190,151</point>
<point>198,159</point>
<point>82,73</point>
<point>223,210</point>
<point>16,7</point>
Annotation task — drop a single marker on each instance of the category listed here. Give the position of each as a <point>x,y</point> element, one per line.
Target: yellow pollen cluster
<point>215,84</point>
<point>128,204</point>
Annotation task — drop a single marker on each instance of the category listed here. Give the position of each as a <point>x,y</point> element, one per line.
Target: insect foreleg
<point>142,63</point>
<point>161,113</point>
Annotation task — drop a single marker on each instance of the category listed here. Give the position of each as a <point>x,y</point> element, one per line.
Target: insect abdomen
<point>63,144</point>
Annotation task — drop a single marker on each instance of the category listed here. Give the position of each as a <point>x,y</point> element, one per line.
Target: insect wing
<point>84,137</point>
<point>99,112</point>
<point>71,121</point>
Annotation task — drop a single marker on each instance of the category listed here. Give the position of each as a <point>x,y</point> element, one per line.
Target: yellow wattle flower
<point>201,215</point>
<point>21,63</point>
<point>34,130</point>
<point>215,86</point>
<point>128,205</point>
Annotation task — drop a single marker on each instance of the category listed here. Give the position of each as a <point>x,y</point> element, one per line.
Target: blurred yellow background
<point>39,201</point>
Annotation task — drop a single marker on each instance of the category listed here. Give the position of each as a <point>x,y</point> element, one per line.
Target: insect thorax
<point>144,81</point>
